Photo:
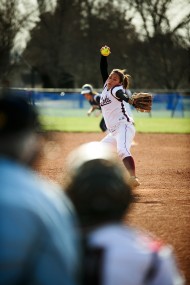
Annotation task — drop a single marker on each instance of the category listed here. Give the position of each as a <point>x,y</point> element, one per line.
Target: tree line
<point>64,44</point>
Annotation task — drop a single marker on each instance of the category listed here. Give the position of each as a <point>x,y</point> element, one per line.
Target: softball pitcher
<point>120,125</point>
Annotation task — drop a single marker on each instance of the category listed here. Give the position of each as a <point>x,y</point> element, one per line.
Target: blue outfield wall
<point>166,104</point>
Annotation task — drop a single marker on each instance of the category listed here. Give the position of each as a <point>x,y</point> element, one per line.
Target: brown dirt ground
<point>163,167</point>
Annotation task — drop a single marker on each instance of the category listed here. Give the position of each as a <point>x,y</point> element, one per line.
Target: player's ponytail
<point>126,81</point>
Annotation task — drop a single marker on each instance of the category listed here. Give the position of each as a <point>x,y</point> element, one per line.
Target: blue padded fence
<point>167,104</point>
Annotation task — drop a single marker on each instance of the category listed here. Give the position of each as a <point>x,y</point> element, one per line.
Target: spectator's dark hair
<point>99,192</point>
<point>17,115</point>
<point>19,125</point>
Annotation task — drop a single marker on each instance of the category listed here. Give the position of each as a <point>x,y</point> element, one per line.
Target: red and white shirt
<point>126,256</point>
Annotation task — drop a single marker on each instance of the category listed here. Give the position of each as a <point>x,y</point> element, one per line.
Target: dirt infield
<point>163,167</point>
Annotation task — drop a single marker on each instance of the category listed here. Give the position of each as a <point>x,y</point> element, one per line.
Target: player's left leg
<point>125,137</point>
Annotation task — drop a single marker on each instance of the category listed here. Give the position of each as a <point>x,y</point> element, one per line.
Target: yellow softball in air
<point>105,51</point>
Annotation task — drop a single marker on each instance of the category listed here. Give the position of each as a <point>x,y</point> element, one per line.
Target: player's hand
<point>105,51</point>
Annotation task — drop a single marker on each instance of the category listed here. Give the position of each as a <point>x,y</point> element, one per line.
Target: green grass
<point>91,124</point>
<point>163,125</point>
<point>71,124</point>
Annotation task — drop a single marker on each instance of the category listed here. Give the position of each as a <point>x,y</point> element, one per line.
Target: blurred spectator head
<point>98,187</point>
<point>19,128</point>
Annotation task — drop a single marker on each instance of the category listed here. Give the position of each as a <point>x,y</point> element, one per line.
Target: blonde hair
<point>124,78</point>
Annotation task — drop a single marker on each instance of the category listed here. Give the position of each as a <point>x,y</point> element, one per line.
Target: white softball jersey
<point>113,109</point>
<point>132,257</point>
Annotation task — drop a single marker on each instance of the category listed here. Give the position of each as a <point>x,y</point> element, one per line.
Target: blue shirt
<point>38,238</point>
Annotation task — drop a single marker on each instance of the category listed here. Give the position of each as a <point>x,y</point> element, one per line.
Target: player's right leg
<point>103,125</point>
<point>110,139</point>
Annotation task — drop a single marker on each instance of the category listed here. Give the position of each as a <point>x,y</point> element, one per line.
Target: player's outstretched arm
<point>105,51</point>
